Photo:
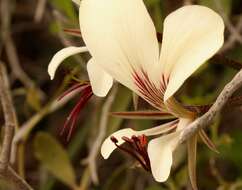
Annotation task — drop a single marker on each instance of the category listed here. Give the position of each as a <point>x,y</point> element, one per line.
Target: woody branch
<point>207,119</point>
<point>6,172</point>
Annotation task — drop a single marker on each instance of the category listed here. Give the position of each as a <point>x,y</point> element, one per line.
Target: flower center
<point>152,94</point>
<point>137,148</point>
<point>86,93</point>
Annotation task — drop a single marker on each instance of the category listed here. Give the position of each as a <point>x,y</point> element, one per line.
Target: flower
<point>121,38</point>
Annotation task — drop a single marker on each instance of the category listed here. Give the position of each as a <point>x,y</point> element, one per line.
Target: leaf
<point>74,146</point>
<point>54,158</point>
<point>230,148</point>
<point>192,157</point>
<point>54,27</point>
<point>33,99</point>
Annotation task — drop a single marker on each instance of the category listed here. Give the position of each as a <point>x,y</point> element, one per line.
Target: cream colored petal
<point>192,34</point>
<point>120,36</point>
<point>101,81</point>
<point>160,151</point>
<point>108,146</point>
<point>183,122</point>
<point>160,154</point>
<point>61,56</point>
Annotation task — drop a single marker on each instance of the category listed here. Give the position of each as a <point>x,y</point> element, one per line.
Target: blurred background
<point>32,31</point>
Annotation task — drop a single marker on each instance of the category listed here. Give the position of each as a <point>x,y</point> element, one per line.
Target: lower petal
<point>108,146</point>
<point>160,154</point>
<point>101,81</point>
<point>160,151</point>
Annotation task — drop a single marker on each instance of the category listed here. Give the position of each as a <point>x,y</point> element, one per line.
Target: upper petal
<point>192,34</point>
<point>60,56</point>
<point>108,146</point>
<point>101,81</point>
<point>120,36</point>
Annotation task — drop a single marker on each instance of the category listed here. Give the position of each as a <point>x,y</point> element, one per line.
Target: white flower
<point>121,37</point>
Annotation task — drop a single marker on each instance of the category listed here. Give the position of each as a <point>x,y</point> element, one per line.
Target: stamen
<point>137,149</point>
<point>86,94</point>
<point>71,89</point>
<point>114,140</point>
<point>128,140</point>
<point>141,144</point>
<point>73,32</point>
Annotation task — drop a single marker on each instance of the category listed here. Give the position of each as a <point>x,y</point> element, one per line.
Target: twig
<point>65,40</point>
<point>14,63</point>
<point>188,2</point>
<point>235,35</point>
<point>35,119</point>
<point>40,9</point>
<point>220,59</point>
<point>228,24</point>
<point>6,172</point>
<point>9,116</point>
<point>11,50</point>
<point>91,159</point>
<point>19,183</point>
<point>232,38</point>
<point>216,108</point>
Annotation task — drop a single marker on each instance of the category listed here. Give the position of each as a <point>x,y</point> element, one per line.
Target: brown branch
<point>40,9</point>
<point>235,35</point>
<point>188,2</point>
<point>11,176</point>
<point>233,30</point>
<point>215,109</point>
<point>9,116</point>
<point>231,41</point>
<point>220,59</point>
<point>65,40</point>
<point>11,50</point>
<point>6,172</point>
<point>91,159</point>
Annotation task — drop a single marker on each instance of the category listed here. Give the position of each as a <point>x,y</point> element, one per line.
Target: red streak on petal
<point>149,90</point>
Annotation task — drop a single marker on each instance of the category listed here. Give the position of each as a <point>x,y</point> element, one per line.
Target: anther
<point>126,139</point>
<point>143,140</point>
<point>113,139</point>
<point>137,149</point>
